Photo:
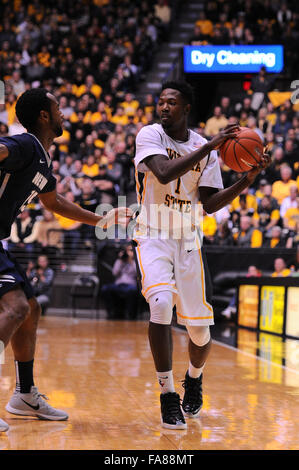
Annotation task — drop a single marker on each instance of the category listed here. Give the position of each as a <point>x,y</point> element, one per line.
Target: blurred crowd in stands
<point>94,56</point>
<point>250,22</point>
<point>266,214</point>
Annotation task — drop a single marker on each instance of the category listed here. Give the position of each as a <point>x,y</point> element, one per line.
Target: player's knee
<point>199,335</point>
<point>19,311</point>
<point>161,307</point>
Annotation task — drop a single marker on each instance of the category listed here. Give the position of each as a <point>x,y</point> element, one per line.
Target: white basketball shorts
<point>167,265</point>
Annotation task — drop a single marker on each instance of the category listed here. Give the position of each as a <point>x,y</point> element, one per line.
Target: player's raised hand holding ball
<point>242,150</point>
<point>229,132</point>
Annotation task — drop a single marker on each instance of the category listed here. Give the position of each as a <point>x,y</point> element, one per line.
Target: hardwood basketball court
<point>101,372</point>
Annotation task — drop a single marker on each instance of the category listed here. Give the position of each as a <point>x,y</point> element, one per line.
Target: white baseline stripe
<point>255,356</point>
<point>248,354</point>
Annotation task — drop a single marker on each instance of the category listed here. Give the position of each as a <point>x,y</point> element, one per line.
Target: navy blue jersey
<point>25,173</point>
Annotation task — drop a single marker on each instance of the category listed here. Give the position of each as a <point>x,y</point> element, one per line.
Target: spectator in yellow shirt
<point>89,87</point>
<point>140,117</point>
<point>120,117</point>
<point>275,240</point>
<point>260,193</point>
<point>81,109</point>
<point>250,199</point>
<point>271,114</point>
<point>149,106</point>
<point>44,57</point>
<point>291,216</point>
<point>270,140</point>
<point>217,122</point>
<point>243,118</point>
<point>91,167</point>
<point>205,25</point>
<point>209,226</point>
<point>281,188</point>
<point>130,104</point>
<point>98,114</point>
<point>293,240</point>
<point>280,268</point>
<point>63,141</point>
<point>10,105</point>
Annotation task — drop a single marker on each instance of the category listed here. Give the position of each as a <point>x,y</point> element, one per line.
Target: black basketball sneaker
<point>171,413</point>
<point>192,401</point>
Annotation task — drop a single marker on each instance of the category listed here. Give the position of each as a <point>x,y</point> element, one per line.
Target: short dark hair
<point>183,87</point>
<point>30,104</point>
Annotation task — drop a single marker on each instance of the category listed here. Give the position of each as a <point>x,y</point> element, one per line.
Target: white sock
<point>195,372</point>
<point>165,380</point>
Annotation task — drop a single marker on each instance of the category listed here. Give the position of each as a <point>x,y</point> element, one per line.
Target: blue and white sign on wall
<point>232,59</point>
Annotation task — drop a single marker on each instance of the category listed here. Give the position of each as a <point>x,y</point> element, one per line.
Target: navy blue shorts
<point>12,274</point>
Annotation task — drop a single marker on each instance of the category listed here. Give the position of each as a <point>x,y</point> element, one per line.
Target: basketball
<point>243,152</point>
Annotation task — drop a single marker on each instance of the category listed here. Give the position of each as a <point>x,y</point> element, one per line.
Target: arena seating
<point>95,56</point>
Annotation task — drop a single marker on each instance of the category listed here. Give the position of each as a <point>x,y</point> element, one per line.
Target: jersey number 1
<point>177,189</point>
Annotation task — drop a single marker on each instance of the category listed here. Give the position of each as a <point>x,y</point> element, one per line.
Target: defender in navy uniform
<point>26,172</point>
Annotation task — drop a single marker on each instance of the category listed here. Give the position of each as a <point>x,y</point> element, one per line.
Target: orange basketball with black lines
<point>243,152</point>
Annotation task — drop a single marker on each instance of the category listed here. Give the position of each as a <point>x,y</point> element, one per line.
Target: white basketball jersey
<point>178,200</point>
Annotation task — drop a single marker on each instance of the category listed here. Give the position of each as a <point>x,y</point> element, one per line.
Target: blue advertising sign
<point>232,59</point>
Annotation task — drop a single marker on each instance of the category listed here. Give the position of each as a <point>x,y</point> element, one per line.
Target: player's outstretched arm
<point>55,202</point>
<point>213,200</point>
<point>167,170</point>
<point>3,152</point>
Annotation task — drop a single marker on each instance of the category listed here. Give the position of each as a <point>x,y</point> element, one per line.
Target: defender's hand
<point>121,216</point>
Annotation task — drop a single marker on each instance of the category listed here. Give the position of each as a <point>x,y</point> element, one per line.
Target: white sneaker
<point>228,312</point>
<point>3,426</point>
<point>32,404</point>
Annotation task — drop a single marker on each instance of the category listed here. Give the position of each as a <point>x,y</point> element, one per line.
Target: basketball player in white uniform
<point>175,169</point>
